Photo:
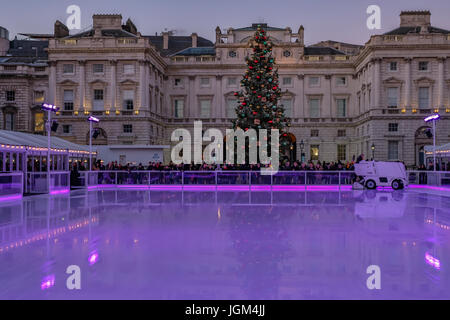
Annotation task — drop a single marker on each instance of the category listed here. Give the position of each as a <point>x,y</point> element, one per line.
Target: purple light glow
<point>418,186</point>
<point>432,261</point>
<point>10,198</point>
<point>48,282</point>
<point>93,258</point>
<point>61,191</point>
<point>432,117</point>
<point>163,187</point>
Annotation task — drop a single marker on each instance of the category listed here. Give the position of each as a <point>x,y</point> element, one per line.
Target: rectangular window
<point>423,65</point>
<point>231,108</point>
<point>128,99</point>
<point>393,127</point>
<point>341,133</point>
<point>68,100</point>
<point>341,152</point>
<point>314,151</point>
<point>128,68</point>
<point>392,66</point>
<point>9,121</point>
<point>424,98</point>
<point>287,104</point>
<point>314,81</point>
<point>231,82</point>
<point>392,150</point>
<point>127,128</point>
<point>179,108</point>
<point>10,95</point>
<point>287,81</point>
<point>98,100</point>
<point>204,82</point>
<point>68,68</point>
<point>341,108</point>
<point>178,82</point>
<point>314,111</point>
<point>205,108</point>
<point>39,97</point>
<point>67,128</point>
<point>314,133</point>
<point>97,68</point>
<point>392,96</point>
<point>10,68</point>
<point>341,81</point>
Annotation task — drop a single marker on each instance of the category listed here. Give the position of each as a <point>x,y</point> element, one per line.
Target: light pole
<point>433,118</point>
<point>373,151</point>
<point>49,108</point>
<point>91,119</point>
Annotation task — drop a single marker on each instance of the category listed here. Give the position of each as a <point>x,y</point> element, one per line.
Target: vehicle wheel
<point>370,184</point>
<point>397,185</point>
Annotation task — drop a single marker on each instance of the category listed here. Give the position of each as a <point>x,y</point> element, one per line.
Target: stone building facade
<point>343,99</point>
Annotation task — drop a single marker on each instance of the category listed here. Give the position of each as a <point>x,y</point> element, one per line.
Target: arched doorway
<point>99,137</point>
<point>423,137</point>
<point>288,147</point>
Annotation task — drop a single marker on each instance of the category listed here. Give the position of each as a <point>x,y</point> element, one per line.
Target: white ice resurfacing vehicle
<point>383,174</point>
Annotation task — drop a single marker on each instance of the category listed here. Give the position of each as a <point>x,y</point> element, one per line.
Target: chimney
<point>301,35</point>
<point>218,35</point>
<point>61,30</point>
<point>415,19</point>
<point>165,40</point>
<point>194,40</point>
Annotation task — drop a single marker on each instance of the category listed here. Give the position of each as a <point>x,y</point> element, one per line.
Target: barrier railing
<point>11,185</point>
<point>435,178</point>
<point>37,182</point>
<point>211,178</point>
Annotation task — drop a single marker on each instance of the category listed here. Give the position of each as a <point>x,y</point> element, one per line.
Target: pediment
<point>424,80</point>
<point>392,80</point>
<point>98,81</point>
<point>128,82</point>
<point>68,83</point>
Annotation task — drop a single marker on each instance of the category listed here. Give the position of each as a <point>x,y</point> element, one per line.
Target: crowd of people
<point>286,165</point>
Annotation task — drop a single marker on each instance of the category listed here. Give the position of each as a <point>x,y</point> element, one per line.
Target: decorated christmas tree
<point>257,106</point>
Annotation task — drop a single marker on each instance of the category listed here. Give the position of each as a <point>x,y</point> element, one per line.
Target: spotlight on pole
<point>49,107</point>
<point>91,120</point>
<point>433,118</point>
<point>49,127</point>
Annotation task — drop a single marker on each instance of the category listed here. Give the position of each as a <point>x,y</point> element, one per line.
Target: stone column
<point>190,112</point>
<point>440,83</point>
<point>327,99</point>
<point>376,83</point>
<point>52,83</point>
<point>82,85</point>
<point>218,105</point>
<point>112,93</point>
<point>142,86</point>
<point>407,82</point>
<point>299,107</point>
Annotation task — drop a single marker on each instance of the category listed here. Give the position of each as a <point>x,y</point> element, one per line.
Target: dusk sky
<point>343,20</point>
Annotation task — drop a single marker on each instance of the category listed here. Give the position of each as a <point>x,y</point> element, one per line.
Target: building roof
<point>416,30</point>
<point>254,26</point>
<point>202,51</point>
<point>28,48</point>
<point>177,43</point>
<point>15,138</point>
<point>322,51</point>
<point>36,62</point>
<point>117,33</point>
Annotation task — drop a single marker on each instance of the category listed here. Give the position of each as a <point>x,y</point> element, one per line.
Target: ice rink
<point>193,244</point>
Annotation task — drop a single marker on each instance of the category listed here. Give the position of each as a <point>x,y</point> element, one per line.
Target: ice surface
<point>141,244</point>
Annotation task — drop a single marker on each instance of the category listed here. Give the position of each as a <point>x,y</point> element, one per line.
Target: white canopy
<point>33,141</point>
